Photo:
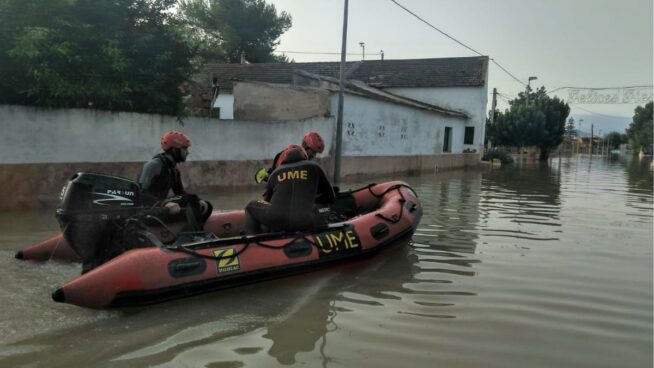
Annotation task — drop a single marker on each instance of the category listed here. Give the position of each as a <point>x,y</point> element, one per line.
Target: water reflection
<point>639,175</point>
<point>507,265</point>
<point>367,283</point>
<point>451,216</point>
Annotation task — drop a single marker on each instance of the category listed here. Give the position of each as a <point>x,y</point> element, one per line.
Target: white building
<point>447,84</point>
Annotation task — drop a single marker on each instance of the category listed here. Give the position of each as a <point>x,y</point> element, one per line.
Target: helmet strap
<point>175,154</point>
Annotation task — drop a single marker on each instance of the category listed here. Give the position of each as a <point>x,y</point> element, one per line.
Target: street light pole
<point>363,50</point>
<point>579,136</point>
<point>529,87</point>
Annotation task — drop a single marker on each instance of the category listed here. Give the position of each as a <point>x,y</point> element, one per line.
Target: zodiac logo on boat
<point>227,261</point>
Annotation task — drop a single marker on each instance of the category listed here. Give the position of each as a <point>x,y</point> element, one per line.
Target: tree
<point>640,129</point>
<point>615,139</point>
<point>118,55</point>
<point>570,128</point>
<point>539,123</point>
<point>227,29</point>
<point>518,126</point>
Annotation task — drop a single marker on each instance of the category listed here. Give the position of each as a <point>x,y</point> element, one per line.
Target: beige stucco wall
<point>37,185</point>
<point>263,101</point>
<point>42,148</point>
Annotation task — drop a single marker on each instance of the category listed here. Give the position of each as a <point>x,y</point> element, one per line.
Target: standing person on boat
<point>160,175</point>
<point>291,194</point>
<point>312,143</point>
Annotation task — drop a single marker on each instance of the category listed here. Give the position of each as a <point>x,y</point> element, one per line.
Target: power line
<point>509,98</point>
<point>504,98</point>
<point>600,114</point>
<point>322,53</point>
<point>507,72</point>
<point>599,88</point>
<point>445,34</point>
<point>493,60</point>
<point>459,42</point>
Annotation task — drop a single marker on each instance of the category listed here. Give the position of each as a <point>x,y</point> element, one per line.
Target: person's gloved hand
<point>261,175</point>
<point>173,208</point>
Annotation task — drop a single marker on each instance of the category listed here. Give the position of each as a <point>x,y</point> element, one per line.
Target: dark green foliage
<point>539,123</point>
<point>641,128</point>
<point>504,157</point>
<point>615,139</point>
<point>224,29</point>
<point>117,55</point>
<point>570,131</point>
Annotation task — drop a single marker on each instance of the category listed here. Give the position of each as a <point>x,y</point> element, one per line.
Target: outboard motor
<point>93,215</point>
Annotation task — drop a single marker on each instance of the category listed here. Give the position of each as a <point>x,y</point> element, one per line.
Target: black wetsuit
<point>158,177</point>
<point>275,164</point>
<point>291,193</point>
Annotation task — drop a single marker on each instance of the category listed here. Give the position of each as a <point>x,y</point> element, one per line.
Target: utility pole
<point>590,149</point>
<point>579,137</point>
<point>492,117</point>
<point>341,91</point>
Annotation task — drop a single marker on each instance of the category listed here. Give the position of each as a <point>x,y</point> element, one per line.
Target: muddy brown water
<point>522,266</point>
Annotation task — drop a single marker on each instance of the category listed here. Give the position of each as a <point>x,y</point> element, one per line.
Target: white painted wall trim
<point>225,102</point>
<point>33,135</point>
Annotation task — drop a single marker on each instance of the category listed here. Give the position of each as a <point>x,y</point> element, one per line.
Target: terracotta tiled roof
<point>443,72</point>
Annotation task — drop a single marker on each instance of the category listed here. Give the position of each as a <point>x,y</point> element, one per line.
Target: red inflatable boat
<point>377,216</point>
<point>54,248</point>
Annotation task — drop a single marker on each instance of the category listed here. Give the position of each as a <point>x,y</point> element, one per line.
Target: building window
<point>469,137</point>
<point>215,112</point>
<point>447,143</point>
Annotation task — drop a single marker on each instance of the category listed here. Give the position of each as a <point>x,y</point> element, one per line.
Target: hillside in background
<point>605,123</point>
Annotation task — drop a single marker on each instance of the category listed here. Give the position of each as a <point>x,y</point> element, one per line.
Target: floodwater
<point>522,266</point>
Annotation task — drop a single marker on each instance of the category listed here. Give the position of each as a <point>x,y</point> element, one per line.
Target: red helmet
<point>297,152</point>
<point>174,139</point>
<point>314,142</point>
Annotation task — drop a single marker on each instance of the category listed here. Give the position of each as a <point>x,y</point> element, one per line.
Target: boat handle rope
<point>163,224</point>
<point>301,236</point>
<point>248,242</point>
<point>393,187</point>
<point>394,219</point>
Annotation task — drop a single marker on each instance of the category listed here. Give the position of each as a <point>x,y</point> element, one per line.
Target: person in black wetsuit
<point>160,175</point>
<point>292,191</point>
<point>312,143</point>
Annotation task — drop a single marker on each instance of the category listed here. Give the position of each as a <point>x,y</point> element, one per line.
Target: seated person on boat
<point>312,143</point>
<point>160,176</point>
<point>292,191</point>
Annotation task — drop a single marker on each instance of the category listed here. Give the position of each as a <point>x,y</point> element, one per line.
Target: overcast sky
<point>581,43</point>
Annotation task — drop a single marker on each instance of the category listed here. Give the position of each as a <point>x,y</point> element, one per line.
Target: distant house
<point>440,99</point>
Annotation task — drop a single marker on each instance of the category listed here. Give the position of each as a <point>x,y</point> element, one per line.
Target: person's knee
<point>251,226</point>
